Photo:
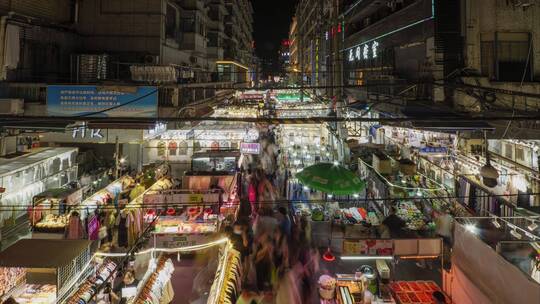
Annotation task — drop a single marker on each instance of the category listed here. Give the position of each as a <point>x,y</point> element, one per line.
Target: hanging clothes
<point>121,222</point>
<point>75,229</point>
<point>93,228</point>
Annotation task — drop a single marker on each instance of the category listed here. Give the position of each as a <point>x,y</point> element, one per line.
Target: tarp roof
<point>13,165</point>
<point>42,253</point>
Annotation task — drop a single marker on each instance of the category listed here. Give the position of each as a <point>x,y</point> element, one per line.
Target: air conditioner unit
<point>151,59</point>
<point>12,106</point>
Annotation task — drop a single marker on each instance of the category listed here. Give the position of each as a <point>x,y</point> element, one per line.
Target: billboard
<point>102,101</point>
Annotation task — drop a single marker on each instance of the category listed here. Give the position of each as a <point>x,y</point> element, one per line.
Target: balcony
<point>192,5</point>
<point>193,42</point>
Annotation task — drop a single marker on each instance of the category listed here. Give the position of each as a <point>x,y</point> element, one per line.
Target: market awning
<point>42,253</point>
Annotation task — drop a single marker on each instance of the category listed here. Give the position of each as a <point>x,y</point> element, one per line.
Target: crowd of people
<point>278,260</point>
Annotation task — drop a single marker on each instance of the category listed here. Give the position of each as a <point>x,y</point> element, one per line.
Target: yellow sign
<point>195,198</point>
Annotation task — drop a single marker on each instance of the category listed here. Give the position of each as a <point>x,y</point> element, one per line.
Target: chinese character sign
<point>98,101</point>
<point>363,52</point>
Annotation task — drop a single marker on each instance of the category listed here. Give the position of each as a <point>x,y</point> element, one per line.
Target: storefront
<point>28,175</point>
<point>192,216</point>
<point>380,269</point>
<point>42,271</point>
<point>50,209</point>
<point>130,142</point>
<point>178,147</point>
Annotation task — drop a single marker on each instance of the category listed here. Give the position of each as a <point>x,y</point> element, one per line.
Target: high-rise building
<point>293,49</point>
<point>317,38</point>
<point>126,42</point>
<point>238,56</point>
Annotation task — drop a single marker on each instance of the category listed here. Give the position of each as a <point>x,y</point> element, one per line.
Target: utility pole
<point>117,158</point>
<point>300,25</point>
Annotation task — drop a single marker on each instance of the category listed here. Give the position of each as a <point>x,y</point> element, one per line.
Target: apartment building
<point>122,42</point>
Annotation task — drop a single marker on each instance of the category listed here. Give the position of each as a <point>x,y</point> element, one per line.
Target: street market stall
<point>25,176</point>
<point>99,272</point>
<point>43,271</point>
<point>50,209</point>
<point>228,279</point>
<point>379,270</point>
<point>192,216</point>
<point>155,286</point>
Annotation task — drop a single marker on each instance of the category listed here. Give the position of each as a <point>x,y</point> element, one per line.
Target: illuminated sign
<point>81,130</point>
<point>364,51</point>
<point>250,148</point>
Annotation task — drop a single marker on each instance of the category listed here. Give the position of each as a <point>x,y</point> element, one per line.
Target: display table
<point>407,292</point>
<point>175,232</point>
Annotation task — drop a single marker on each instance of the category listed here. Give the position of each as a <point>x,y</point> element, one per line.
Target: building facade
<point>237,65</point>
<point>173,43</point>
<point>316,35</point>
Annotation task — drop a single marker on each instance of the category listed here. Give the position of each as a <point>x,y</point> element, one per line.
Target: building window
<point>188,23</point>
<point>171,23</point>
<point>506,56</point>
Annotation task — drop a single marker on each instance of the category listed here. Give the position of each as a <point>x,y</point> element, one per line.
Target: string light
<point>168,250</point>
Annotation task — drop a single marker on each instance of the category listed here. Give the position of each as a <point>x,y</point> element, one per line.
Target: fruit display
<point>408,212</point>
<point>414,292</point>
<point>52,223</point>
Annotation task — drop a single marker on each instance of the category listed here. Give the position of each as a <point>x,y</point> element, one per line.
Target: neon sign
<point>364,51</point>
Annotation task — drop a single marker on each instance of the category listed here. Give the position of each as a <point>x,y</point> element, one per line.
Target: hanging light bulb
<point>471,228</point>
<point>496,223</point>
<point>532,226</point>
<point>329,256</point>
<point>515,234</point>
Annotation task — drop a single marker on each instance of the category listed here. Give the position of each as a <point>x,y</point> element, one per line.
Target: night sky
<point>272,20</point>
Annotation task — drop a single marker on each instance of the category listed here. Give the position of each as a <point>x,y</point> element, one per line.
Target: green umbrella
<point>331,178</point>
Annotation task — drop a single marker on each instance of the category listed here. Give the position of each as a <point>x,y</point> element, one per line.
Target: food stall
<point>50,209</point>
<point>381,268</point>
<point>42,271</point>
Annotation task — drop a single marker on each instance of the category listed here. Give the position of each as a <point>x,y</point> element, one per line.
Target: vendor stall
<point>99,272</point>
<point>192,218</point>
<point>50,209</point>
<point>227,283</point>
<point>42,271</point>
<point>374,272</point>
<point>25,176</point>
<point>155,287</point>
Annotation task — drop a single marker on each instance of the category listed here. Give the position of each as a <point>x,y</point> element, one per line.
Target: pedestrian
<point>240,239</point>
<point>285,223</point>
<point>128,282</point>
<point>265,223</point>
<point>281,252</point>
<point>394,223</point>
<point>439,297</point>
<point>264,263</point>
